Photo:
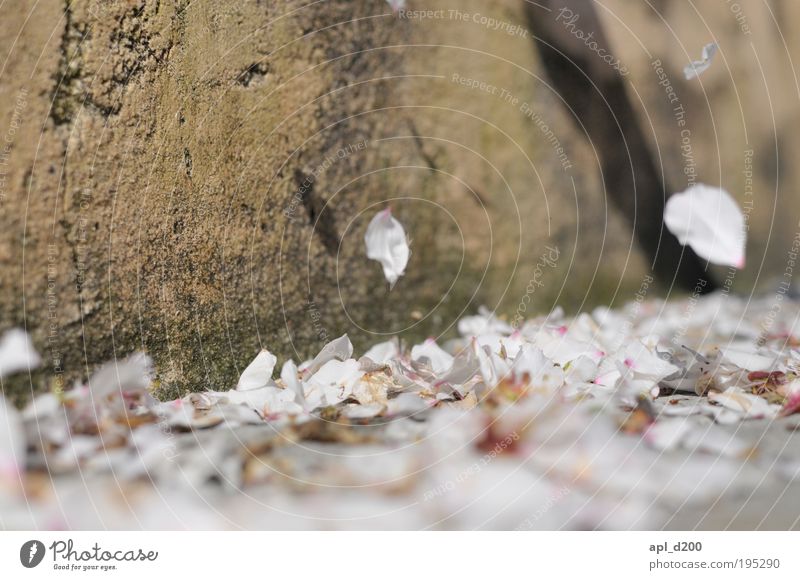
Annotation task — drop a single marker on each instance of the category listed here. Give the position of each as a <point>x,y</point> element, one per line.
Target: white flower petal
<point>387,243</point>
<point>42,407</point>
<point>581,370</point>
<point>721,415</point>
<point>698,67</point>
<point>749,358</point>
<point>752,406</point>
<point>709,221</point>
<point>264,401</point>
<point>396,5</point>
<point>258,373</point>
<point>334,382</point>
<point>131,374</point>
<point>485,322</point>
<point>630,389</point>
<point>645,363</point>
<point>563,349</point>
<point>407,403</point>
<point>291,380</point>
<point>279,401</point>
<point>17,353</point>
<point>667,434</point>
<point>339,349</point>
<point>533,366</point>
<point>363,411</point>
<point>486,363</point>
<point>12,443</point>
<point>465,366</point>
<point>430,352</point>
<point>383,352</point>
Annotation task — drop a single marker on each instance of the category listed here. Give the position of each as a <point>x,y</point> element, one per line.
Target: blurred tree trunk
<point>594,93</point>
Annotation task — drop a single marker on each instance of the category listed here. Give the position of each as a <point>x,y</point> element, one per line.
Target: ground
<point>607,420</point>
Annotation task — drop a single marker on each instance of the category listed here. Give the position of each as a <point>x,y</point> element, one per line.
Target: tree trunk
<point>193,179</point>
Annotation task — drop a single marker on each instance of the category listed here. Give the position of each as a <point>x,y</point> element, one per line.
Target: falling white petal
<point>17,353</point>
<point>387,243</point>
<point>258,373</point>
<point>698,67</point>
<point>709,221</point>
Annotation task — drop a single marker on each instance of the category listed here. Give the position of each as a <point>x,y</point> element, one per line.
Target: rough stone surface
<point>152,198</point>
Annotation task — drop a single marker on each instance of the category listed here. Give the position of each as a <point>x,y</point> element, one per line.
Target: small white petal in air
<point>708,220</point>
<point>387,243</point>
<point>17,353</point>
<point>698,67</point>
<point>258,374</point>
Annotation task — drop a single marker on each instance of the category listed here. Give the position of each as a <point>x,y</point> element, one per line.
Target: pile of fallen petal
<point>677,413</point>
